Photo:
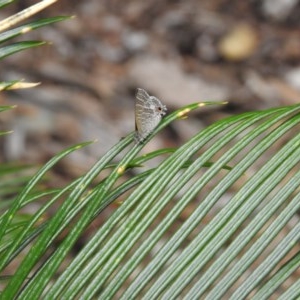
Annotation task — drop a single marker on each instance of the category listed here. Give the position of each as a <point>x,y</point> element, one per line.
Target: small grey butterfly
<point>148,113</point>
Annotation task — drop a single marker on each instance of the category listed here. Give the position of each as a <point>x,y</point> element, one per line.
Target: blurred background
<point>243,52</point>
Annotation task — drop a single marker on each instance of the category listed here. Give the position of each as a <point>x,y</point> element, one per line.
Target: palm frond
<point>141,250</point>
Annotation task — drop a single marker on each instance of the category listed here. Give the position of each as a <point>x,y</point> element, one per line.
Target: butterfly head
<point>158,107</point>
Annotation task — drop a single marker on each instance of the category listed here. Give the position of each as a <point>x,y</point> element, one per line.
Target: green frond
<point>17,47</point>
<point>13,33</point>
<point>7,34</point>
<point>141,250</point>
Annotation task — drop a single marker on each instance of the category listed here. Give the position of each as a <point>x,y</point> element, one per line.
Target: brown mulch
<point>180,51</point>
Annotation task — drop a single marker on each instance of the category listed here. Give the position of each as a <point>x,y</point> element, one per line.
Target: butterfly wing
<point>142,99</point>
<point>146,115</point>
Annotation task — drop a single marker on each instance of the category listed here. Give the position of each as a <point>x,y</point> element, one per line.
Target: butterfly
<point>148,113</point>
